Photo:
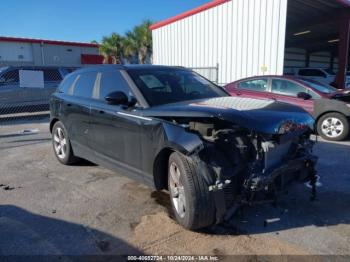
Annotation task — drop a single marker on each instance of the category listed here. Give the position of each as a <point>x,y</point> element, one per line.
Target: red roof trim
<point>49,42</point>
<point>188,13</point>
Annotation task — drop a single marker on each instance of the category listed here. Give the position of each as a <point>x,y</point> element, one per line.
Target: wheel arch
<point>328,112</point>
<point>53,122</point>
<point>160,168</point>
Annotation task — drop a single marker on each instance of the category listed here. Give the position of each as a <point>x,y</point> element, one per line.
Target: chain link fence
<point>25,91</point>
<point>211,72</point>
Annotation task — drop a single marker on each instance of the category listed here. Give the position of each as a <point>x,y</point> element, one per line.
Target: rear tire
<point>190,198</point>
<point>61,145</point>
<point>333,127</point>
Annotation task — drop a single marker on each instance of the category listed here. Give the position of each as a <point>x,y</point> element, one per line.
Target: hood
<point>266,116</point>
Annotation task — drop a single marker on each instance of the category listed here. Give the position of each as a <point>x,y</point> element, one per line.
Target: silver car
<point>28,88</point>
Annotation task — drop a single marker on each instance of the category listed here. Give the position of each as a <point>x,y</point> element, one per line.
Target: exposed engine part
<point>247,168</point>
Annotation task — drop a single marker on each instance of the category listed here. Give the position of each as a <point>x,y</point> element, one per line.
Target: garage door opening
<point>317,37</point>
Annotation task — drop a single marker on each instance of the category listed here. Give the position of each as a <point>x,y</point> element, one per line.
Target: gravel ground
<point>48,208</point>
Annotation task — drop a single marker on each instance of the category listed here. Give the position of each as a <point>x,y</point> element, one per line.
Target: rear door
<point>254,88</point>
<point>287,91</point>
<point>76,108</point>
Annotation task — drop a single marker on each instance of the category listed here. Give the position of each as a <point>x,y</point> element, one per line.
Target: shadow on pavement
<point>26,233</point>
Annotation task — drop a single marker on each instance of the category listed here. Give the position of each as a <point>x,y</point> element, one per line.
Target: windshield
<point>323,88</point>
<point>171,85</point>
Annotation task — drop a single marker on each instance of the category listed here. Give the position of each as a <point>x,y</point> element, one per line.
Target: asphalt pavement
<point>49,208</point>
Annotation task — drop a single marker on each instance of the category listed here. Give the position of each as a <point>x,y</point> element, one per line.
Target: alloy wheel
<point>60,143</point>
<point>177,190</point>
<point>332,127</point>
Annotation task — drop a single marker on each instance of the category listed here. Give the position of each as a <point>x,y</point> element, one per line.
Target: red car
<point>329,106</point>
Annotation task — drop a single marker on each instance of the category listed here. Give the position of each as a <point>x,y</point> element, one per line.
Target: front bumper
<point>286,172</point>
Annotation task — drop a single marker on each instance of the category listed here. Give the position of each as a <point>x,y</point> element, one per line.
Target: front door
<point>115,131</point>
<point>287,91</point>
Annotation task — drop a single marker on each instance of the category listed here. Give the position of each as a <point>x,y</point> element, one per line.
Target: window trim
<point>136,92</point>
<point>96,91</point>
<point>70,91</point>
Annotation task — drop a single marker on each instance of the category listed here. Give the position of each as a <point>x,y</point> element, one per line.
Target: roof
<point>194,11</point>
<point>215,3</point>
<point>44,41</point>
<point>125,67</point>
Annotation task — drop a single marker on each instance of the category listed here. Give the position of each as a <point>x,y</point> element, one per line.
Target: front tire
<point>333,127</point>
<point>61,145</point>
<point>190,198</point>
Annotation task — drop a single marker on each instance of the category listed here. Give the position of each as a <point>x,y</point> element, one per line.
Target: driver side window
<point>111,82</point>
<point>287,88</point>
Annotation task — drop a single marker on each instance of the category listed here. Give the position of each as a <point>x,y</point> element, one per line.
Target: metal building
<point>40,52</point>
<point>242,38</point>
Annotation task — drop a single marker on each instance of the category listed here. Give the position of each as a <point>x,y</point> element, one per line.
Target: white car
<point>322,75</point>
<point>319,74</point>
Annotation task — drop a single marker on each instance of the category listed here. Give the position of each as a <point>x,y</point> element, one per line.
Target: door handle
<point>239,94</point>
<point>69,104</point>
<point>101,111</point>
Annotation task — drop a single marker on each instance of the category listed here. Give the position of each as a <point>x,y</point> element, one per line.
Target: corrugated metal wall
<point>244,37</point>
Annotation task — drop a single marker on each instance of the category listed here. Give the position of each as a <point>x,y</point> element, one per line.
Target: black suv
<point>170,128</point>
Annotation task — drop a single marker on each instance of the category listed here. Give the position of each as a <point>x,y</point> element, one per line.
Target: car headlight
<point>348,105</point>
<point>290,126</point>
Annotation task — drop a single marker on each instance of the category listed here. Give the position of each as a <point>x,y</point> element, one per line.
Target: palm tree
<point>129,46</point>
<point>111,47</point>
<point>138,42</point>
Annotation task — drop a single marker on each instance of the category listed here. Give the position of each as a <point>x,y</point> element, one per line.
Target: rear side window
<point>254,85</point>
<point>111,82</point>
<point>84,85</point>
<point>66,84</point>
<point>311,72</point>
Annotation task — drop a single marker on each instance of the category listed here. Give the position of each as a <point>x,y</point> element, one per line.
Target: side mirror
<point>304,96</point>
<point>117,98</point>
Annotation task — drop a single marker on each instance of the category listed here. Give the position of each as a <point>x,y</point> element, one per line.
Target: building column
<point>343,51</point>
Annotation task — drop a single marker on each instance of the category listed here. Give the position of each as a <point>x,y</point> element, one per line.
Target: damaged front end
<point>245,167</point>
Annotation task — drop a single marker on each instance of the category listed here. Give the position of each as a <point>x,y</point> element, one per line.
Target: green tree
<point>112,47</point>
<point>142,36</point>
<point>136,43</point>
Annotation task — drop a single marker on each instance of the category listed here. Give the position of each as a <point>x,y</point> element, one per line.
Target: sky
<point>83,20</point>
